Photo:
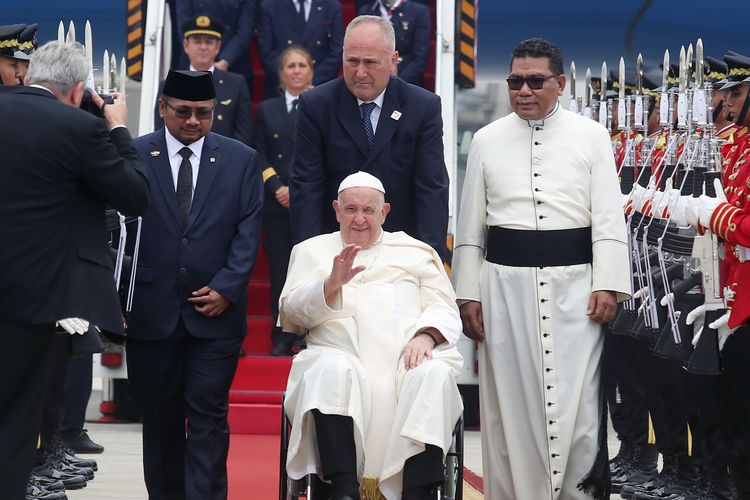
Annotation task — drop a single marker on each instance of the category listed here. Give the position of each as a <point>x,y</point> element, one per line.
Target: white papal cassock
<point>539,366</point>
<point>353,363</point>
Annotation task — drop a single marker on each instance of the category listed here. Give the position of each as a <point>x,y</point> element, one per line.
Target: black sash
<point>520,248</point>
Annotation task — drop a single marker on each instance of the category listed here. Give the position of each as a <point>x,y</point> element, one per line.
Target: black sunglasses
<point>184,113</point>
<point>534,82</point>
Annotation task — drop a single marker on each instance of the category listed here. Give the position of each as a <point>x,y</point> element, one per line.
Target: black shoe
<point>641,469</point>
<point>83,444</point>
<point>36,492</point>
<point>281,350</point>
<point>68,456</point>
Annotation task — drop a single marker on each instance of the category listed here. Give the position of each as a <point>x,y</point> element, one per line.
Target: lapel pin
<point>226,103</point>
<point>212,159</point>
<point>320,8</point>
<point>396,115</point>
<point>155,153</point>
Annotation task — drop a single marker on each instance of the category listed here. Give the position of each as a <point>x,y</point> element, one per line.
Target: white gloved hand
<point>664,201</point>
<point>74,325</point>
<point>679,208</point>
<point>692,210</point>
<point>721,325</point>
<point>707,204</point>
<point>633,200</point>
<point>644,203</point>
<point>697,317</point>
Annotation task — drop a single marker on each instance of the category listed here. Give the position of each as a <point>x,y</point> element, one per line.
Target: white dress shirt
<point>307,4</point>
<point>175,158</point>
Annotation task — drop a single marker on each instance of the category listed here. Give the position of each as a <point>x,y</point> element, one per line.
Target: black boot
<point>622,459</point>
<point>641,469</point>
<point>655,488</point>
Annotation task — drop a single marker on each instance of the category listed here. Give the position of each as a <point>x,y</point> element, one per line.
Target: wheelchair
<point>451,489</point>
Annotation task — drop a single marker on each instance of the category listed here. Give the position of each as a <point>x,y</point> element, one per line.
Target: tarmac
<point>120,475</point>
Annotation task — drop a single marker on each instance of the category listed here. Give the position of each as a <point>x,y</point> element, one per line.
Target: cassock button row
<point>545,335</point>
<point>537,143</point>
<point>543,300</point>
<point>548,370</point>
<point>542,283</point>
<point>539,202</point>
<point>552,438</point>
<point>550,387</point>
<point>545,317</point>
<point>542,217</point>
<point>555,472</point>
<point>547,351</point>
<point>537,189</point>
<point>537,174</point>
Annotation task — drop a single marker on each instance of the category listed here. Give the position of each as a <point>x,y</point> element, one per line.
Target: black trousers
<point>337,451</point>
<point>278,248</point>
<point>53,400</point>
<point>184,378</point>
<point>736,406</point>
<point>77,394</point>
<point>23,376</point>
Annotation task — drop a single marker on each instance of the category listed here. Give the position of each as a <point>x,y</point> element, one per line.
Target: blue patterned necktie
<point>185,185</point>
<point>367,108</point>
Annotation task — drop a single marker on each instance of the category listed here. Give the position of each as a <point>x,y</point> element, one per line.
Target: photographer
<point>61,166</point>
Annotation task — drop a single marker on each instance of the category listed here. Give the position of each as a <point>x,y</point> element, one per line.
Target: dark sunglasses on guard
<point>184,113</point>
<point>534,82</point>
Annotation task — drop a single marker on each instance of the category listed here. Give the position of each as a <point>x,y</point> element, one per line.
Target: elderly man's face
<point>187,121</point>
<point>360,212</point>
<point>533,104</point>
<point>10,71</point>
<point>368,63</point>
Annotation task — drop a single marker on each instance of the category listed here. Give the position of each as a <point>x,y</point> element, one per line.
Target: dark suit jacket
<point>217,248</point>
<point>233,116</point>
<point>274,141</point>
<point>407,157</point>
<point>238,18</point>
<point>411,25</point>
<point>60,167</point>
<point>323,36</point>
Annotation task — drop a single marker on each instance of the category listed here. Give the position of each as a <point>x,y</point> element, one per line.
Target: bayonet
<point>700,98</point>
<point>638,119</point>
<point>587,95</point>
<point>621,104</point>
<point>123,76</point>
<point>603,116</point>
<point>105,73</point>
<point>664,103</point>
<point>71,32</point>
<point>574,107</point>
<point>89,47</point>
<point>682,103</point>
<point>689,63</point>
<point>61,32</point>
<point>112,74</point>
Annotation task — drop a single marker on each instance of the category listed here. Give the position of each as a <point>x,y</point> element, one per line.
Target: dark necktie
<point>295,102</point>
<point>185,185</point>
<point>301,11</point>
<point>292,115</point>
<point>367,108</point>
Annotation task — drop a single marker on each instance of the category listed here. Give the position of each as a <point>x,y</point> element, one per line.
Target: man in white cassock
<point>541,260</point>
<point>373,399</point>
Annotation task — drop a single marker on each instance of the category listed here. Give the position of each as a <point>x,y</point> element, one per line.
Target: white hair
<point>386,27</point>
<point>61,64</point>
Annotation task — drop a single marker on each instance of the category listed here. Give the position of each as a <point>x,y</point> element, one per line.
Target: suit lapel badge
<point>226,103</point>
<point>405,25</point>
<point>212,159</point>
<point>320,8</point>
<point>396,115</point>
<point>155,153</point>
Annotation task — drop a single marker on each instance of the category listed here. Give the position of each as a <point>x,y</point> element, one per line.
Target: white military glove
<point>707,204</point>
<point>721,325</point>
<point>74,325</point>
<point>697,317</point>
<point>692,210</point>
<point>664,200</point>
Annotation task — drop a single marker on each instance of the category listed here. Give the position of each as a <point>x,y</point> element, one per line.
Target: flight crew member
<point>315,25</point>
<point>233,114</point>
<point>10,67</point>
<point>274,141</point>
<point>412,25</point>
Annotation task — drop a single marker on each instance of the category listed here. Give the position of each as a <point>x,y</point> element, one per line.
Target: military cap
<point>9,39</point>
<point>202,26</point>
<point>738,69</point>
<point>189,85</point>
<point>27,42</point>
<point>716,70</point>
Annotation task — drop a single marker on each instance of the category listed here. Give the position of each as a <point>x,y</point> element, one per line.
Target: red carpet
<point>253,467</point>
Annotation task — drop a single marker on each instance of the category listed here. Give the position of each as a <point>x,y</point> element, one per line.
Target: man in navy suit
<point>233,113</point>
<point>369,120</point>
<point>315,25</point>
<point>199,242</point>
<point>411,25</point>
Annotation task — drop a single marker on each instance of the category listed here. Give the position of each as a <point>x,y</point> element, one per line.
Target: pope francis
<point>373,399</point>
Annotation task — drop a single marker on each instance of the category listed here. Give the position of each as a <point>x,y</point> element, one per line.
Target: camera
<point>87,103</point>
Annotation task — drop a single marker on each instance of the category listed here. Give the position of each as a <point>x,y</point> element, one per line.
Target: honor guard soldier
<point>411,24</point>
<point>10,69</point>
<point>233,112</point>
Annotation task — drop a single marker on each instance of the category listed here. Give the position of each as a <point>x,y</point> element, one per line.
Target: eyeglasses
<point>184,113</point>
<point>534,82</point>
